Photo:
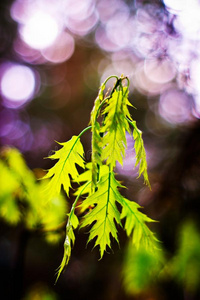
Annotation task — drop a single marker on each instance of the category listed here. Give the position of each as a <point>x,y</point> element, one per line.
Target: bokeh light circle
<point>40,30</point>
<point>17,85</point>
<point>61,50</point>
<point>174,106</point>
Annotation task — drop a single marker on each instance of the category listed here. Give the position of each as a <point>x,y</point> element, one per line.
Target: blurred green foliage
<point>22,198</point>
<point>40,292</point>
<point>141,268</point>
<point>185,265</point>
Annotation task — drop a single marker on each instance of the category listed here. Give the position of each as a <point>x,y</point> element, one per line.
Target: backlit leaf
<point>114,128</point>
<point>68,156</point>
<point>135,225</point>
<point>105,212</point>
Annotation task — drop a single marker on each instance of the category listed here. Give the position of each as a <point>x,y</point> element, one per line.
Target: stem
<point>77,198</point>
<point>112,76</point>
<point>83,131</point>
<point>128,81</point>
<point>132,124</point>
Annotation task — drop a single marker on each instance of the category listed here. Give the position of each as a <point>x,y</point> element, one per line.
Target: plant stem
<point>83,131</point>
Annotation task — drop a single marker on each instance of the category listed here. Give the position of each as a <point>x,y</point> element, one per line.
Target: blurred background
<point>53,57</point>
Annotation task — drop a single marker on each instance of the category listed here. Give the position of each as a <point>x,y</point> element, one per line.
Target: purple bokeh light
<point>18,83</point>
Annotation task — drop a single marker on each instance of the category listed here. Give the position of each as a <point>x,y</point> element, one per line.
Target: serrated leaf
<point>105,212</point>
<point>72,224</point>
<point>135,225</point>
<point>85,188</point>
<point>114,128</point>
<point>96,138</point>
<point>140,153</point>
<point>68,156</point>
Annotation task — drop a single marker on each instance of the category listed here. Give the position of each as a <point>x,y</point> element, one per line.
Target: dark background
<point>156,47</point>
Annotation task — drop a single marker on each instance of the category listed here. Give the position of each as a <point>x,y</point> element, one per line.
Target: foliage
<point>40,292</point>
<point>70,154</point>
<point>22,197</point>
<point>104,207</point>
<point>184,267</point>
<point>141,269</point>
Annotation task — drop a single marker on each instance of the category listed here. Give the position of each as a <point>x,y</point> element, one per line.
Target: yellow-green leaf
<point>105,212</point>
<point>72,224</point>
<point>114,128</point>
<point>140,153</point>
<point>135,225</point>
<point>68,156</point>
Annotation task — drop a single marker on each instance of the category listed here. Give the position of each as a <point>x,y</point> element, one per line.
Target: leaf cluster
<point>102,205</point>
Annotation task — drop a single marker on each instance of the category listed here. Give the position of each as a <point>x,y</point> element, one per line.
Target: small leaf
<point>72,224</point>
<point>135,225</point>
<point>140,153</point>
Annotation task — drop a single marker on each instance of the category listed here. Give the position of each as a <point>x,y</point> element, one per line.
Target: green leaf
<point>96,138</point>
<point>105,212</point>
<point>114,128</point>
<point>135,225</point>
<point>68,156</point>
<point>96,108</point>
<point>72,224</point>
<point>86,176</point>
<point>140,153</point>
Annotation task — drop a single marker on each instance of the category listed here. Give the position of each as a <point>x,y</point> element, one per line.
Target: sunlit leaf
<point>70,155</point>
<point>114,128</point>
<point>102,207</point>
<point>72,224</point>
<point>96,136</point>
<point>104,212</point>
<point>140,153</point>
<point>135,225</point>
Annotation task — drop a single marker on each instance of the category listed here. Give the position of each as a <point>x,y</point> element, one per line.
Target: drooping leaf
<point>85,179</point>
<point>140,153</point>
<point>96,136</point>
<point>72,224</point>
<point>105,212</point>
<point>135,225</point>
<point>114,128</point>
<point>52,214</point>
<point>95,111</point>
<point>68,156</point>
